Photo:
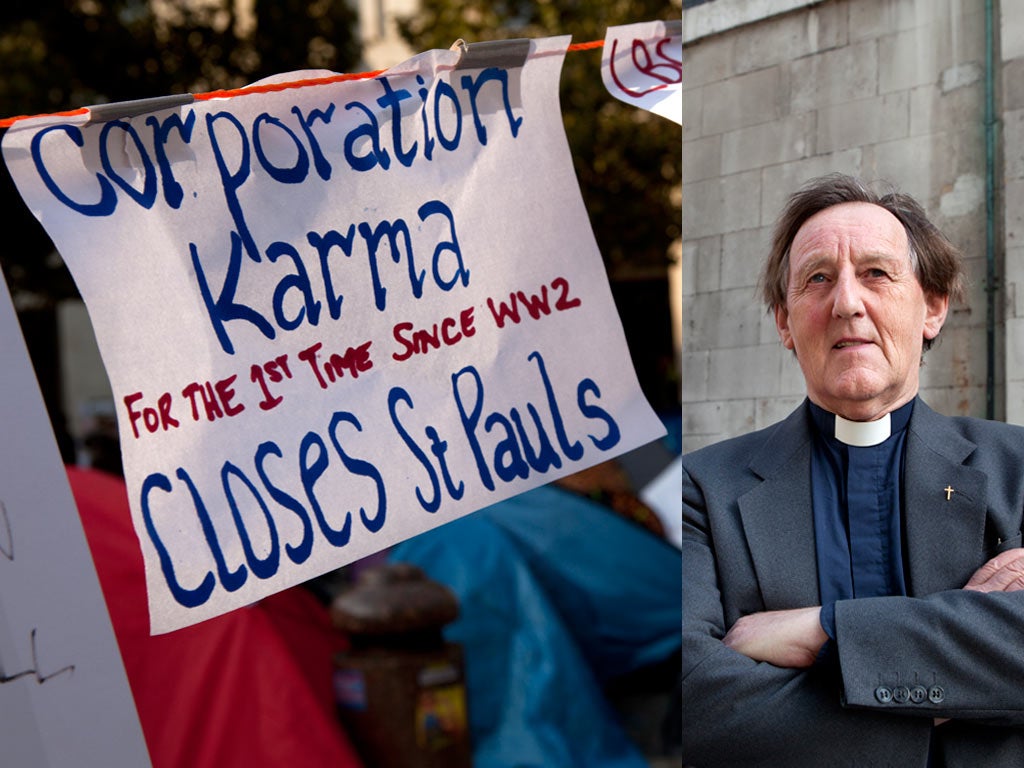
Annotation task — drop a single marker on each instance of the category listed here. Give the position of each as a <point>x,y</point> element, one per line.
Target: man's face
<point>855,312</point>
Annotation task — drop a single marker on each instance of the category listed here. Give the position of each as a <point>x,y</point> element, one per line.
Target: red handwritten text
<point>152,419</point>
<point>661,69</point>
<point>355,360</point>
<point>537,305</point>
<point>271,372</point>
<point>215,397</point>
<point>419,341</point>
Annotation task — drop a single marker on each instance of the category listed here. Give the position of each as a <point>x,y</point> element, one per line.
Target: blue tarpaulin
<point>558,595</point>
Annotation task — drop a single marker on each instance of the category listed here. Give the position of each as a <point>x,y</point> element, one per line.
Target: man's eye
<point>817,278</point>
<point>875,272</point>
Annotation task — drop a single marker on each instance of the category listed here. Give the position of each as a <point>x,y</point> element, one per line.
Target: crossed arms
<point>752,694</point>
<point>792,638</point>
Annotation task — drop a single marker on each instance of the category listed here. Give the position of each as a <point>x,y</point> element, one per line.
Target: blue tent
<point>558,596</point>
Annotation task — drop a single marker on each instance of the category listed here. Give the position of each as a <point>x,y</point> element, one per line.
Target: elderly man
<point>850,574</point>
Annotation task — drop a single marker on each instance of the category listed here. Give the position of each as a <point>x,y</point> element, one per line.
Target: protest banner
<point>642,65</point>
<point>63,690</point>
<point>337,314</point>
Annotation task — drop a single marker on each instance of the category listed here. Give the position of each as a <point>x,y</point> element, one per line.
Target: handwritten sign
<point>63,691</point>
<point>336,316</point>
<point>642,65</point>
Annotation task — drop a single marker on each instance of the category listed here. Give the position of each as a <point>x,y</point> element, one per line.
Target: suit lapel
<point>935,453</point>
<point>779,524</point>
<point>777,517</point>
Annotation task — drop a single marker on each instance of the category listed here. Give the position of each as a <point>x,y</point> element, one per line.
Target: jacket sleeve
<point>953,654</point>
<point>947,652</point>
<point>737,712</point>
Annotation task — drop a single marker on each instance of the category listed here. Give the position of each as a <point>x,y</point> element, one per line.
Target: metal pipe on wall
<point>990,215</point>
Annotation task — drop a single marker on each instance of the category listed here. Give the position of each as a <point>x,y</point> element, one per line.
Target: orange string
<point>7,122</point>
<point>274,87</point>
<point>586,46</point>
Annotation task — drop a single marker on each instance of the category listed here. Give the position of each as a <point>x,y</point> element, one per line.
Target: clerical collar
<point>861,434</point>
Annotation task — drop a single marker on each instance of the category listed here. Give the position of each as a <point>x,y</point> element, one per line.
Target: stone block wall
<point>778,91</point>
<point>1012,152</point>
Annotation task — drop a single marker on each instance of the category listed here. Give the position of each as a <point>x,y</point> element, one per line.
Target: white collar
<point>862,434</point>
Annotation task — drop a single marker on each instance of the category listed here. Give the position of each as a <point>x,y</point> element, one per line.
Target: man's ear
<point>935,308</point>
<point>782,324</point>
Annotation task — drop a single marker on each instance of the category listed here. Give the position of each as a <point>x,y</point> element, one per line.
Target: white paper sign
<point>642,65</point>
<point>63,691</point>
<point>336,316</point>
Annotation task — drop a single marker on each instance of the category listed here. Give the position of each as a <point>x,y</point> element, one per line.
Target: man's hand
<point>793,638</point>
<point>784,638</point>
<point>1003,573</point>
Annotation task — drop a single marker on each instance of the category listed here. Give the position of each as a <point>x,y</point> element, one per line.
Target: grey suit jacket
<point>748,546</point>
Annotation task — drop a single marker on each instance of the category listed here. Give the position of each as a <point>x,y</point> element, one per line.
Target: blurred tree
<point>628,161</point>
<point>63,54</point>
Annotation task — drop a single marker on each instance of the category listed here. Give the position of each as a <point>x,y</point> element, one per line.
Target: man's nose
<point>848,296</point>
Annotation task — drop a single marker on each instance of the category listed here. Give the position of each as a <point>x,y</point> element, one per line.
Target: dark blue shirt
<point>855,495</point>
